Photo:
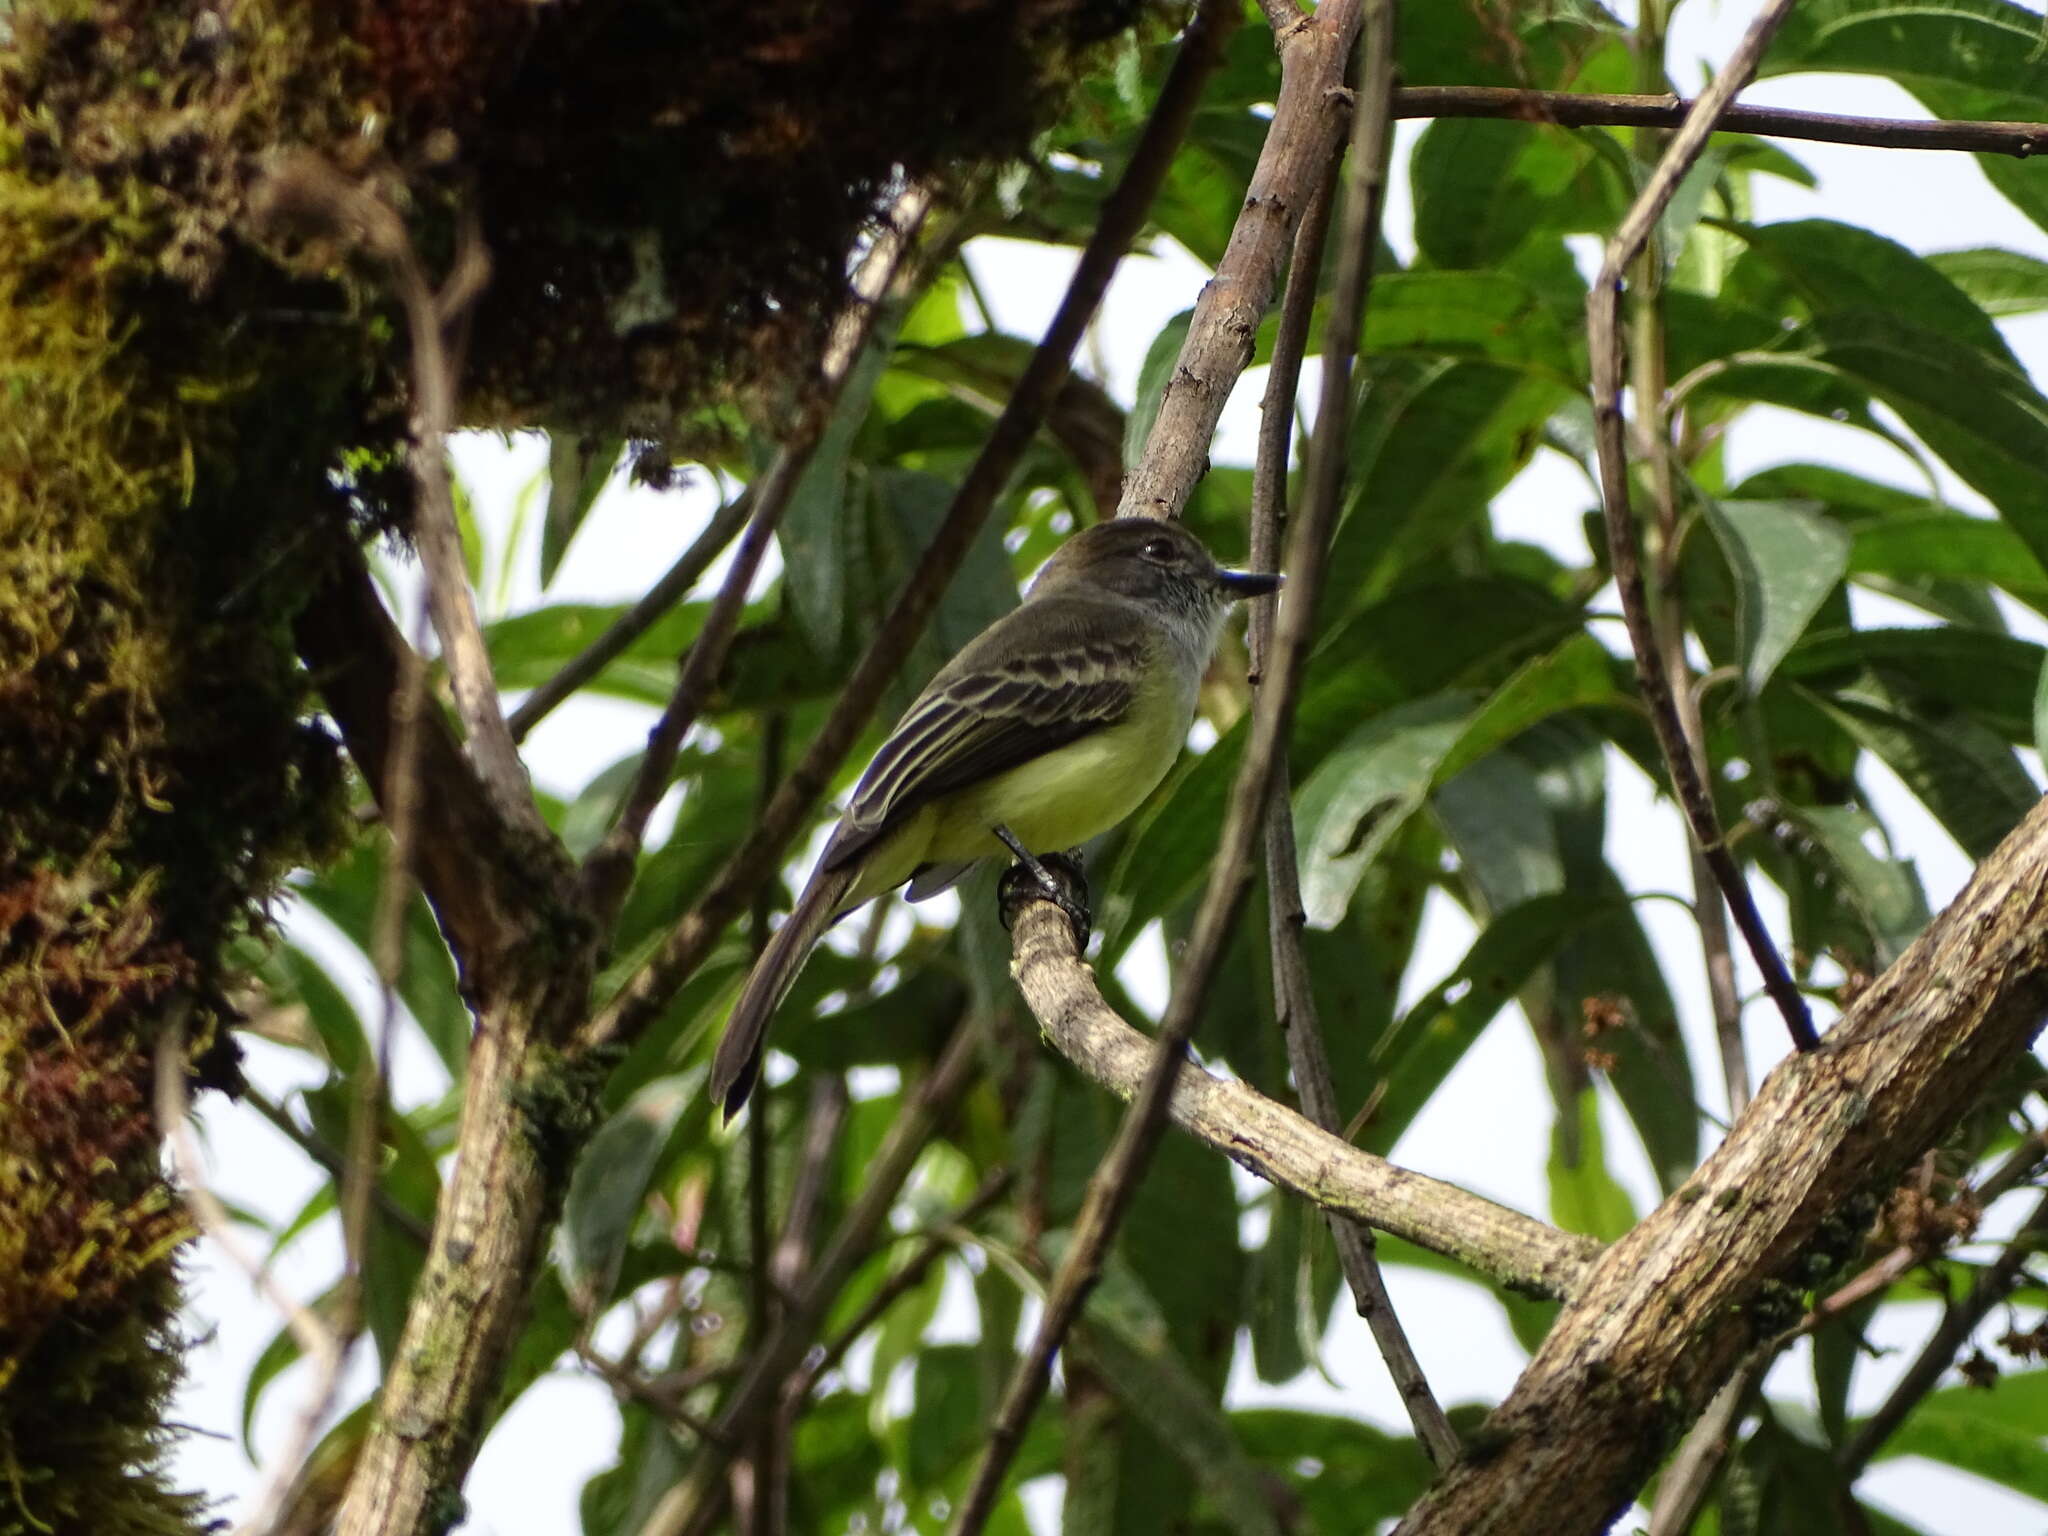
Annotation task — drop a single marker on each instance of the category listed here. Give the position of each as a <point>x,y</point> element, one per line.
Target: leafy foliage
<point>1468,712</point>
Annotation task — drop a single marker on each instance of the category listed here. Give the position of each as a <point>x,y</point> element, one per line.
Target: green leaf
<point>609,1186</point>
<point>1989,676</point>
<point>1950,546</point>
<point>1962,773</point>
<point>1983,417</point>
<point>2000,282</point>
<point>1881,894</point>
<point>1995,1433</point>
<point>817,527</point>
<point>1830,266</point>
<point>1432,442</point>
<point>1154,1387</point>
<point>1433,1036</point>
<point>529,648</point>
<point>346,894</point>
<point>1483,188</point>
<point>1360,794</point>
<point>1161,358</point>
<point>1584,1196</point>
<point>1786,557</point>
<point>1487,316</point>
<point>578,471</point>
<point>945,1416</point>
<point>1416,642</point>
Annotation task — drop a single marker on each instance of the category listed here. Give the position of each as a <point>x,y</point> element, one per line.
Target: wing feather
<point>991,709</point>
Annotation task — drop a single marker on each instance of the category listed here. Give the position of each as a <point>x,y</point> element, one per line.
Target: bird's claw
<point>1053,877</point>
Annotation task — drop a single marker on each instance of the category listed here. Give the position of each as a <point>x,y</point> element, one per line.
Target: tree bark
<point>1668,1311</point>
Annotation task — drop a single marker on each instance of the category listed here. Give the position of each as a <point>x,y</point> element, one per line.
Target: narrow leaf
<point>1786,557</point>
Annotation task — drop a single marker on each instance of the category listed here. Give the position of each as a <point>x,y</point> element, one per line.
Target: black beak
<point>1238,585</point>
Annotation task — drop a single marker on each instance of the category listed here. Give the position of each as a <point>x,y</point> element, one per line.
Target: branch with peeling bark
<point>1667,1312</point>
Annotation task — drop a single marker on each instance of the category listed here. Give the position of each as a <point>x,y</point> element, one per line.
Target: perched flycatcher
<point>1049,728</point>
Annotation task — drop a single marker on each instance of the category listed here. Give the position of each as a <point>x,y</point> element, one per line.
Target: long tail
<point>738,1061</point>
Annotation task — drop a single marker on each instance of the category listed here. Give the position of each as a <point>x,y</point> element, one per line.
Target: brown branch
<point>302,187</point>
<point>1114,1183</point>
<point>1122,218</point>
<point>629,626</point>
<point>1604,341</point>
<point>1683,1487</point>
<point>358,659</point>
<point>694,1503</point>
<point>1293,992</point>
<point>1669,1310</point>
<point>1279,1145</point>
<point>883,274</point>
<point>1300,144</point>
<point>1574,109</point>
<point>1281,15</point>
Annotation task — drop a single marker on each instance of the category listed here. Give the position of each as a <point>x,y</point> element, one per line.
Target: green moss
<point>156,759</point>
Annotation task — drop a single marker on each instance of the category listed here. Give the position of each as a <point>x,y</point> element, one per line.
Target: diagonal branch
<point>1279,1145</point>
<point>1115,1182</point>
<point>693,1504</point>
<point>1604,341</point>
<point>1300,144</point>
<point>1668,1311</point>
<point>608,871</point>
<point>1575,109</point>
<point>1122,219</point>
<point>629,626</point>
<point>1294,999</point>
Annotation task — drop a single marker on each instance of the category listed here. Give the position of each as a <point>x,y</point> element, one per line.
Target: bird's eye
<point>1160,551</point>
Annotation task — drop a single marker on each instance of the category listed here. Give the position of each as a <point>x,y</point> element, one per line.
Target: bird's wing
<point>987,712</point>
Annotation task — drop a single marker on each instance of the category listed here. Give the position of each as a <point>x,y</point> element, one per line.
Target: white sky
<point>531,1472</point>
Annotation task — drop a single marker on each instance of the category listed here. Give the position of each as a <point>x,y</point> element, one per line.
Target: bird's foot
<point>1053,877</point>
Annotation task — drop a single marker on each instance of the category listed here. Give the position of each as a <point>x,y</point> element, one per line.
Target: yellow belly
<point>1050,804</point>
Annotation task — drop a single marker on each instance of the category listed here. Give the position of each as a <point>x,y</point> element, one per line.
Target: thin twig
<point>1654,415</point>
<point>694,1503</point>
<point>823,1122</point>
<point>1683,1488</point>
<point>1115,1181</point>
<point>1293,993</point>
<point>761,1468</point>
<point>1950,1335</point>
<point>318,1343</point>
<point>1121,219</point>
<point>1604,341</point>
<point>1573,109</point>
<point>889,262</point>
<point>943,1238</point>
<point>334,1162</point>
<point>629,626</point>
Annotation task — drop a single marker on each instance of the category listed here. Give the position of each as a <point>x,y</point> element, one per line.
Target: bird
<point>1047,729</point>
